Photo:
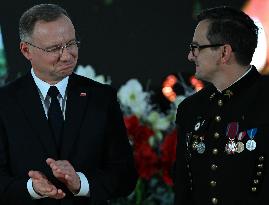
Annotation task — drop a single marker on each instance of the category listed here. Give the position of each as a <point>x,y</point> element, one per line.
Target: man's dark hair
<point>40,12</point>
<point>233,27</point>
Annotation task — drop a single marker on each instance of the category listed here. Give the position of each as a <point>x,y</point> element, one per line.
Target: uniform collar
<point>245,81</point>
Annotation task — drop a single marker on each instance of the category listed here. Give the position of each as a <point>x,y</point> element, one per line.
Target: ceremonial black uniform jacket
<point>208,121</point>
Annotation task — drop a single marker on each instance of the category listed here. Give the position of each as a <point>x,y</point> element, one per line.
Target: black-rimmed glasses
<point>58,49</point>
<point>195,48</point>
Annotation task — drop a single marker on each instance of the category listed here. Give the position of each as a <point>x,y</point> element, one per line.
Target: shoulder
<point>199,97</point>
<point>11,87</point>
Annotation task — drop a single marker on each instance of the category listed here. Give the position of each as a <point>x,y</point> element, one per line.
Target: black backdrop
<point>123,39</point>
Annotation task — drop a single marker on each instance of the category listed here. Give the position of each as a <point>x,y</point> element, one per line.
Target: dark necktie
<point>55,115</point>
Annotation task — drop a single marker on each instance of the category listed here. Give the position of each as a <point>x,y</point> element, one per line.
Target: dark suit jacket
<point>215,177</point>
<point>94,141</point>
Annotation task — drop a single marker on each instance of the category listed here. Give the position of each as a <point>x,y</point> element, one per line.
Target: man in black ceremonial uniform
<point>223,140</point>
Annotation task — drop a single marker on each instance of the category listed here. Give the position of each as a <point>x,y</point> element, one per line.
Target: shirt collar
<point>44,86</point>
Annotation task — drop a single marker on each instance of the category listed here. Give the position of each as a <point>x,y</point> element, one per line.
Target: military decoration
<point>251,144</point>
<point>201,146</point>
<point>240,145</point>
<point>198,138</point>
<point>231,132</point>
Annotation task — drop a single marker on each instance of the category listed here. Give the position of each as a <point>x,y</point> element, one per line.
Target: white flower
<point>86,71</point>
<point>132,95</point>
<point>158,121</point>
<point>89,72</point>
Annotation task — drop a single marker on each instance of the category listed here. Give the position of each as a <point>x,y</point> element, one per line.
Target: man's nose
<point>190,56</point>
<point>65,53</point>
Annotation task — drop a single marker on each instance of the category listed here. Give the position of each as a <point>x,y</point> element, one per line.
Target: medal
<point>231,132</point>
<point>230,147</point>
<point>251,144</point>
<point>240,147</point>
<point>200,147</point>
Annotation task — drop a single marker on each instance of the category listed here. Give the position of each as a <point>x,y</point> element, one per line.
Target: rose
<point>147,161</point>
<point>168,156</point>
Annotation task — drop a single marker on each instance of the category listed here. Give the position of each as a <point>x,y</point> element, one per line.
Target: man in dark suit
<point>222,151</point>
<point>62,136</point>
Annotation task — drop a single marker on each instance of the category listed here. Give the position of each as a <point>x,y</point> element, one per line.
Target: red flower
<point>168,155</point>
<point>138,133</point>
<point>131,123</point>
<point>147,161</point>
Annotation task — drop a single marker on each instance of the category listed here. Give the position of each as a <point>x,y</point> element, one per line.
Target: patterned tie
<point>55,115</point>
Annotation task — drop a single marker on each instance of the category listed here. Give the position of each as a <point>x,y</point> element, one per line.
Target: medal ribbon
<point>241,135</point>
<point>252,132</point>
<point>232,130</point>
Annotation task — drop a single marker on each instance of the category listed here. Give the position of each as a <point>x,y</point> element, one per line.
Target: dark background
<point>123,39</point>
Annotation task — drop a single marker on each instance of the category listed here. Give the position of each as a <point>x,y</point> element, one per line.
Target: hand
<point>44,187</point>
<point>65,173</point>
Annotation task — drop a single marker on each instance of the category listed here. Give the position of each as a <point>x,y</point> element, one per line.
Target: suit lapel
<point>30,101</point>
<point>77,99</point>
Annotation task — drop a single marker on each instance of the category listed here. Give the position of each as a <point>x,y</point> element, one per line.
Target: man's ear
<point>24,47</point>
<point>226,52</point>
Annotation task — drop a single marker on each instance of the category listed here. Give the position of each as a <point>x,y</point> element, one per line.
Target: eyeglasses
<point>58,49</point>
<point>195,48</point>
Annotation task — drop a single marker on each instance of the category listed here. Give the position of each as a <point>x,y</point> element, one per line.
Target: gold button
<point>213,183</point>
<point>259,174</point>
<point>189,174</point>
<point>216,135</point>
<point>214,167</point>
<point>260,166</point>
<point>218,118</point>
<point>214,200</point>
<point>261,158</point>
<point>215,151</point>
<point>220,103</point>
<point>256,181</point>
<point>253,189</point>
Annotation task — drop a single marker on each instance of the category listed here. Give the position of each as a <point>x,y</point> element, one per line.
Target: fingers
<point>56,194</point>
<point>66,173</point>
<point>61,169</point>
<point>44,187</point>
<point>50,160</point>
<point>35,174</point>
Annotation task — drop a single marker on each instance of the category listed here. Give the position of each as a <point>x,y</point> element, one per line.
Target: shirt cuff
<point>84,186</point>
<point>31,190</point>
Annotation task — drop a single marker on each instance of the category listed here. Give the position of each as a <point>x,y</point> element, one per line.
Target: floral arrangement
<point>153,137</point>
